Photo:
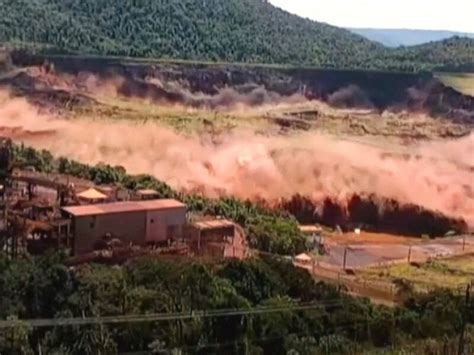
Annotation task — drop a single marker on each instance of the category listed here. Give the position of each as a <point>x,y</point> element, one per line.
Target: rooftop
<point>213,224</point>
<point>92,194</point>
<point>147,192</point>
<point>122,207</point>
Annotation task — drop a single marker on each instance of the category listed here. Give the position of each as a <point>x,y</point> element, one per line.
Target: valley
<point>224,177</point>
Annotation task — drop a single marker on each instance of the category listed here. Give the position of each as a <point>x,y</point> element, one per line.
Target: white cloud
<point>454,15</point>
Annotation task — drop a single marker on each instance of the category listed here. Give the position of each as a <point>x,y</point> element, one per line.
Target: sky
<point>453,15</point>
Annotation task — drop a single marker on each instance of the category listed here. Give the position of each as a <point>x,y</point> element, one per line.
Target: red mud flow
<point>373,213</point>
<point>426,188</point>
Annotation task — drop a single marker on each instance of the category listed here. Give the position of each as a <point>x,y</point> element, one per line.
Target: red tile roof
<point>122,207</point>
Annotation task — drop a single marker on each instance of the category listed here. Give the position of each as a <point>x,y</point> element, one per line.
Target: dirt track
<point>367,254</point>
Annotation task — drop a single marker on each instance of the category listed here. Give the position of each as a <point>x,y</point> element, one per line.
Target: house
<point>210,236</point>
<point>135,222</point>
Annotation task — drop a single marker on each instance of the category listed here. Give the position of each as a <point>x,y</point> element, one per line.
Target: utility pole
<point>409,255</point>
<point>345,259</point>
<point>464,321</point>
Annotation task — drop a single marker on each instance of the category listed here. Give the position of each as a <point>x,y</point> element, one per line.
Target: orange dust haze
<point>436,175</point>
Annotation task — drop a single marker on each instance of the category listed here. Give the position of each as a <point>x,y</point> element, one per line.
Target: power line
<point>156,317</point>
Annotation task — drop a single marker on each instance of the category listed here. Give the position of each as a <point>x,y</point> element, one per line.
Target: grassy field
<point>182,119</point>
<point>451,273</point>
<point>462,82</point>
<point>267,119</point>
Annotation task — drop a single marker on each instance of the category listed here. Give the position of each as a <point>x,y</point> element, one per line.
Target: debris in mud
<point>174,93</point>
<point>350,96</point>
<point>373,213</point>
<point>346,88</point>
<point>19,133</point>
<point>291,123</point>
<point>41,92</point>
<point>246,163</point>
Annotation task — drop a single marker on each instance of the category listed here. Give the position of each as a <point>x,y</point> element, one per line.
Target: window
<point>92,223</point>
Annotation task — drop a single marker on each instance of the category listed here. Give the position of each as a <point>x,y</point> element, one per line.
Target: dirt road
<point>370,254</point>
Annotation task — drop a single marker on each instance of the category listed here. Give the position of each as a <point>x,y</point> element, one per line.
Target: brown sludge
<point>373,213</point>
<point>431,176</point>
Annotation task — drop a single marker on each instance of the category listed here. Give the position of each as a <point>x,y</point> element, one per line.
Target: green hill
<point>251,31</point>
<point>456,53</point>
<point>406,37</point>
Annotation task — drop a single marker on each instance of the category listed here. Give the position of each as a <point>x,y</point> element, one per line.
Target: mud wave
<point>437,176</point>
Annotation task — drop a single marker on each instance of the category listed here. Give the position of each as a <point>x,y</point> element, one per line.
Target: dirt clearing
<point>452,273</point>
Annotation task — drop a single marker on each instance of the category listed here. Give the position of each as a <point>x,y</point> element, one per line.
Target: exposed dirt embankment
<point>373,213</point>
<point>343,88</point>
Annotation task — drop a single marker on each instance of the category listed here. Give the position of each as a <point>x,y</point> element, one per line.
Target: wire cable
<point>156,317</point>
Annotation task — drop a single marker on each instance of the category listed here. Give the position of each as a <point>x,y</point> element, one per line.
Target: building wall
<point>200,240</point>
<point>164,224</point>
<point>128,227</point>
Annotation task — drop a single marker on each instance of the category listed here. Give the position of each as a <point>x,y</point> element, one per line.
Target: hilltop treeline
<point>452,54</point>
<point>44,288</point>
<point>251,31</point>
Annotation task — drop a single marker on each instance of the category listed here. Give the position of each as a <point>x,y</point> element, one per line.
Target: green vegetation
<point>455,53</point>
<point>229,30</point>
<point>331,322</point>
<point>44,288</point>
<point>449,273</point>
<point>462,82</point>
<point>248,31</point>
<point>180,119</point>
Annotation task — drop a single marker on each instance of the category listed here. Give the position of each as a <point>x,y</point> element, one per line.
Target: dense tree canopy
<point>44,288</point>
<point>251,31</point>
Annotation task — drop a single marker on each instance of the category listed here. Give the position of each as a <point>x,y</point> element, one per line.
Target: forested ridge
<point>45,288</point>
<point>250,31</point>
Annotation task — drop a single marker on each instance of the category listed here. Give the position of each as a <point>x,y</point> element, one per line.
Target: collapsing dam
<point>404,192</point>
<point>343,88</point>
<point>375,213</point>
<point>425,188</point>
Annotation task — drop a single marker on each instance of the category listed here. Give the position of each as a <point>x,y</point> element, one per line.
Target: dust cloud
<point>173,92</point>
<point>350,96</point>
<point>435,175</point>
